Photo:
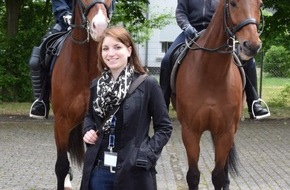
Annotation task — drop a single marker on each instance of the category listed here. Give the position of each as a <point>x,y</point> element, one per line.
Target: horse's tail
<point>76,145</point>
<point>233,161</point>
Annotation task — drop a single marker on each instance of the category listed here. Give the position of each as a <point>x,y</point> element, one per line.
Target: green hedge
<point>277,62</point>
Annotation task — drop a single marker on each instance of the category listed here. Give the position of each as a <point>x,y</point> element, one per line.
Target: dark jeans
<point>101,179</point>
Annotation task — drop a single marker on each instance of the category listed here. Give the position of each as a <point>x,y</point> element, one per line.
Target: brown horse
<point>209,90</point>
<point>74,69</point>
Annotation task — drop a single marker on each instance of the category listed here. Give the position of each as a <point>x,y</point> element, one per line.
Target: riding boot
<point>40,107</point>
<point>165,85</point>
<point>253,102</point>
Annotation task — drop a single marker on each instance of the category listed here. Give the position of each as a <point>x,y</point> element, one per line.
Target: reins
<point>221,49</point>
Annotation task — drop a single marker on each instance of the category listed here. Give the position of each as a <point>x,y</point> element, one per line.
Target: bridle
<point>231,41</point>
<point>235,29</point>
<point>84,11</point>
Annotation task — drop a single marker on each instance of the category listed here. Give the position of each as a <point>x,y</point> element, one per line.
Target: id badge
<point>110,159</point>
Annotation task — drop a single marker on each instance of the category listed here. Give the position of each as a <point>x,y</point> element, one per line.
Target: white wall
<point>152,55</point>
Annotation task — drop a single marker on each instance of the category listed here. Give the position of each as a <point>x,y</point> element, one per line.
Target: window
<point>165,46</point>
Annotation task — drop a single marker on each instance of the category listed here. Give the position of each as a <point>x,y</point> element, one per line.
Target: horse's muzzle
<point>248,49</point>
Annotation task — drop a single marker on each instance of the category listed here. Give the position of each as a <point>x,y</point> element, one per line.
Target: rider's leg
<point>165,79</point>
<point>166,68</point>
<point>39,107</point>
<point>251,90</point>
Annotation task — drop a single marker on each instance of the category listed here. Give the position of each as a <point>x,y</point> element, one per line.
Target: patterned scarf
<point>110,93</point>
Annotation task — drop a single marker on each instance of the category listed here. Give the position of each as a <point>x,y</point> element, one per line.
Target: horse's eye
<point>233,3</point>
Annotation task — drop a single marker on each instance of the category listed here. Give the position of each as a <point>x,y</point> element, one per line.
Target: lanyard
<point>112,134</point>
<point>112,156</point>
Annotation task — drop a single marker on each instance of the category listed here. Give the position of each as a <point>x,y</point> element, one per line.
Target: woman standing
<point>121,154</point>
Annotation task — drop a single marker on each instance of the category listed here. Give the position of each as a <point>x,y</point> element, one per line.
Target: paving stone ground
<point>28,153</point>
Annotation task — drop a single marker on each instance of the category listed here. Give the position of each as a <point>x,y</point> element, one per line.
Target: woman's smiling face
<point>115,54</point>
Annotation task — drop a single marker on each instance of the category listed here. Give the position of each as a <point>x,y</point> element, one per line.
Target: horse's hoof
<point>67,183</point>
<point>70,173</point>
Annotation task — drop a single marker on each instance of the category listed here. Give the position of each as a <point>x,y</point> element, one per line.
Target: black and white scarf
<point>110,93</point>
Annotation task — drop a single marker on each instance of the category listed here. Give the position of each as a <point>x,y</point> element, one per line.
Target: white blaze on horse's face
<point>98,24</point>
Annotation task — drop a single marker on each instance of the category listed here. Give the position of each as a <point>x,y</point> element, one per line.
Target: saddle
<point>175,60</point>
<point>50,49</point>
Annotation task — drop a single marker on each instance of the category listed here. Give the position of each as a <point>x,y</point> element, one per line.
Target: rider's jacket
<point>198,13</point>
<point>60,8</point>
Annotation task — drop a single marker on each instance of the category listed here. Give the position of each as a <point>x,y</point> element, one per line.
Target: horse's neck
<point>79,32</point>
<point>214,64</point>
<point>92,65</point>
<point>86,63</point>
<point>215,35</point>
<point>86,51</point>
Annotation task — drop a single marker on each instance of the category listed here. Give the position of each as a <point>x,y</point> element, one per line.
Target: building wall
<point>151,51</point>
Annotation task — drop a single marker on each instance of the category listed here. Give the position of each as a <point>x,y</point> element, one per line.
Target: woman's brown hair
<point>121,34</point>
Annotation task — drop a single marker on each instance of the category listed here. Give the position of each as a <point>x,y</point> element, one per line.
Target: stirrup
<point>38,116</point>
<point>260,116</point>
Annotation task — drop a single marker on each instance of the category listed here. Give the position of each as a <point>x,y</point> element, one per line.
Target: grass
<point>272,87</point>
<point>271,93</point>
<point>14,108</point>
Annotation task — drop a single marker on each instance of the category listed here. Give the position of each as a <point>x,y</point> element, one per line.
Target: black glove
<point>190,32</point>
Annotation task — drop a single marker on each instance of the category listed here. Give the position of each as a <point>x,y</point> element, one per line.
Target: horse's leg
<point>223,145</point>
<point>61,168</point>
<point>227,179</point>
<point>62,164</point>
<point>191,143</point>
<point>68,179</point>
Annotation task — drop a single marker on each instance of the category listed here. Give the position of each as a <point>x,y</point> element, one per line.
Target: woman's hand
<point>90,137</point>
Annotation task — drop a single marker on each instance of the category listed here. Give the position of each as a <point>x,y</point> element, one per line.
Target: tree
<point>16,45</point>
<point>134,16</point>
<point>276,25</point>
<point>13,8</point>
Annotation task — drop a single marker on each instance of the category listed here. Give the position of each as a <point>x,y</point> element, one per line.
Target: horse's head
<point>95,15</point>
<point>242,18</point>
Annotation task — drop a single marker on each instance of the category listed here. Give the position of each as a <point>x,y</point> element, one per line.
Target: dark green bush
<point>15,84</point>
<point>277,62</point>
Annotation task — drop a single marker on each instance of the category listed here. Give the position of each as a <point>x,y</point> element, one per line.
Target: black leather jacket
<point>198,13</point>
